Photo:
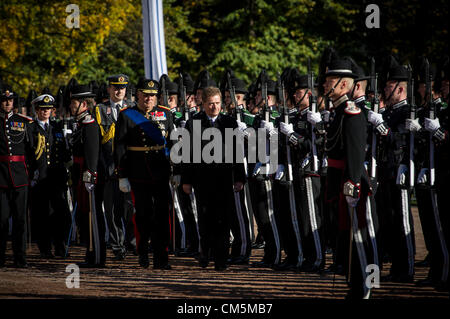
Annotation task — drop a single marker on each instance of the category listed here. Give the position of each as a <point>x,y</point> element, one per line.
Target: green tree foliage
<point>38,50</point>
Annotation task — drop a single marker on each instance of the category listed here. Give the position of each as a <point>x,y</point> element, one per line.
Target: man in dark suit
<point>212,181</point>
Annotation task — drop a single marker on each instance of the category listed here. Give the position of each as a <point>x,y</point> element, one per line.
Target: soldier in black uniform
<point>212,182</point>
<point>393,193</point>
<point>85,145</point>
<point>439,128</point>
<point>114,201</point>
<point>306,182</point>
<point>49,206</point>
<point>347,180</point>
<point>15,153</point>
<point>143,167</point>
<point>261,185</point>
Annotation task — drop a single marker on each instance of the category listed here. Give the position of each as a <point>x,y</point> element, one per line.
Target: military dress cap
<point>80,91</point>
<point>188,83</point>
<point>170,87</point>
<point>359,72</point>
<point>102,92</point>
<point>271,87</point>
<point>7,92</point>
<point>204,80</point>
<point>147,86</point>
<point>44,101</point>
<point>396,72</point>
<point>239,85</point>
<point>341,67</point>
<point>119,80</point>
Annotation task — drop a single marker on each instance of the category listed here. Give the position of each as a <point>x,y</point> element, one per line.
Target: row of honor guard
<point>341,183</point>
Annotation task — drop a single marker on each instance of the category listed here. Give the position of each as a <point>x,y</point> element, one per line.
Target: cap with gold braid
<point>119,80</point>
<point>147,86</point>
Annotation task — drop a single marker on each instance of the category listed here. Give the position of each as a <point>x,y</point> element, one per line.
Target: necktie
<point>46,127</point>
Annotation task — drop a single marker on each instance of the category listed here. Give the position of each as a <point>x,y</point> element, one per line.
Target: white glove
<point>175,180</point>
<point>351,201</point>
<point>280,172</point>
<point>286,129</point>
<point>267,125</point>
<point>412,125</point>
<point>305,162</point>
<point>401,174</point>
<point>35,178</point>
<point>124,185</point>
<point>366,165</point>
<point>67,131</point>
<point>313,117</point>
<point>257,169</point>
<point>325,116</point>
<point>182,124</point>
<point>325,162</point>
<point>432,125</point>
<point>89,186</point>
<point>422,177</point>
<point>374,118</point>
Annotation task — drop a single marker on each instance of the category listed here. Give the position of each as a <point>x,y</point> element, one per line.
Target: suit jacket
<point>209,176</point>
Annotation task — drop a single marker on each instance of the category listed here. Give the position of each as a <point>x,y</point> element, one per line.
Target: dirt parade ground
<point>45,279</point>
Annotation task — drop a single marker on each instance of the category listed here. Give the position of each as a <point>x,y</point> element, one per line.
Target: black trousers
<point>240,228</point>
<point>214,209</point>
<point>13,203</point>
<point>259,195</point>
<point>95,240</point>
<point>393,226</point>
<point>115,204</point>
<point>51,215</point>
<point>152,218</point>
<point>192,239</point>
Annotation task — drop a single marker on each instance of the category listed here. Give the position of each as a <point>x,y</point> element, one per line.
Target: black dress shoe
<point>398,278</point>
<point>285,266</point>
<point>220,267</point>
<point>163,267</point>
<point>119,256</point>
<point>20,263</point>
<point>262,264</point>
<point>90,265</point>
<point>143,261</point>
<point>2,262</point>
<point>47,255</point>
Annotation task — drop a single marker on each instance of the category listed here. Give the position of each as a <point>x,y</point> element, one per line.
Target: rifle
<point>376,106</point>
<point>412,116</point>
<point>233,97</point>
<point>432,116</point>
<point>313,106</point>
<point>164,91</point>
<point>182,99</point>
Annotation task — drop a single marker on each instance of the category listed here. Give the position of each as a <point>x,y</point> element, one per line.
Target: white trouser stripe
<point>444,249</point>
<point>272,219</point>
<point>371,229</point>
<point>295,224</point>
<point>407,230</point>
<point>313,221</point>
<point>195,213</point>
<point>237,202</point>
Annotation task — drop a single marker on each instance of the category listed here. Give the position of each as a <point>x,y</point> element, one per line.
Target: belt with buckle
<point>145,148</point>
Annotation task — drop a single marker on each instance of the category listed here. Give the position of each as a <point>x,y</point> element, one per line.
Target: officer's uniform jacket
<point>106,116</point>
<point>51,151</point>
<point>138,157</point>
<point>345,147</point>
<point>15,149</point>
<point>85,145</point>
